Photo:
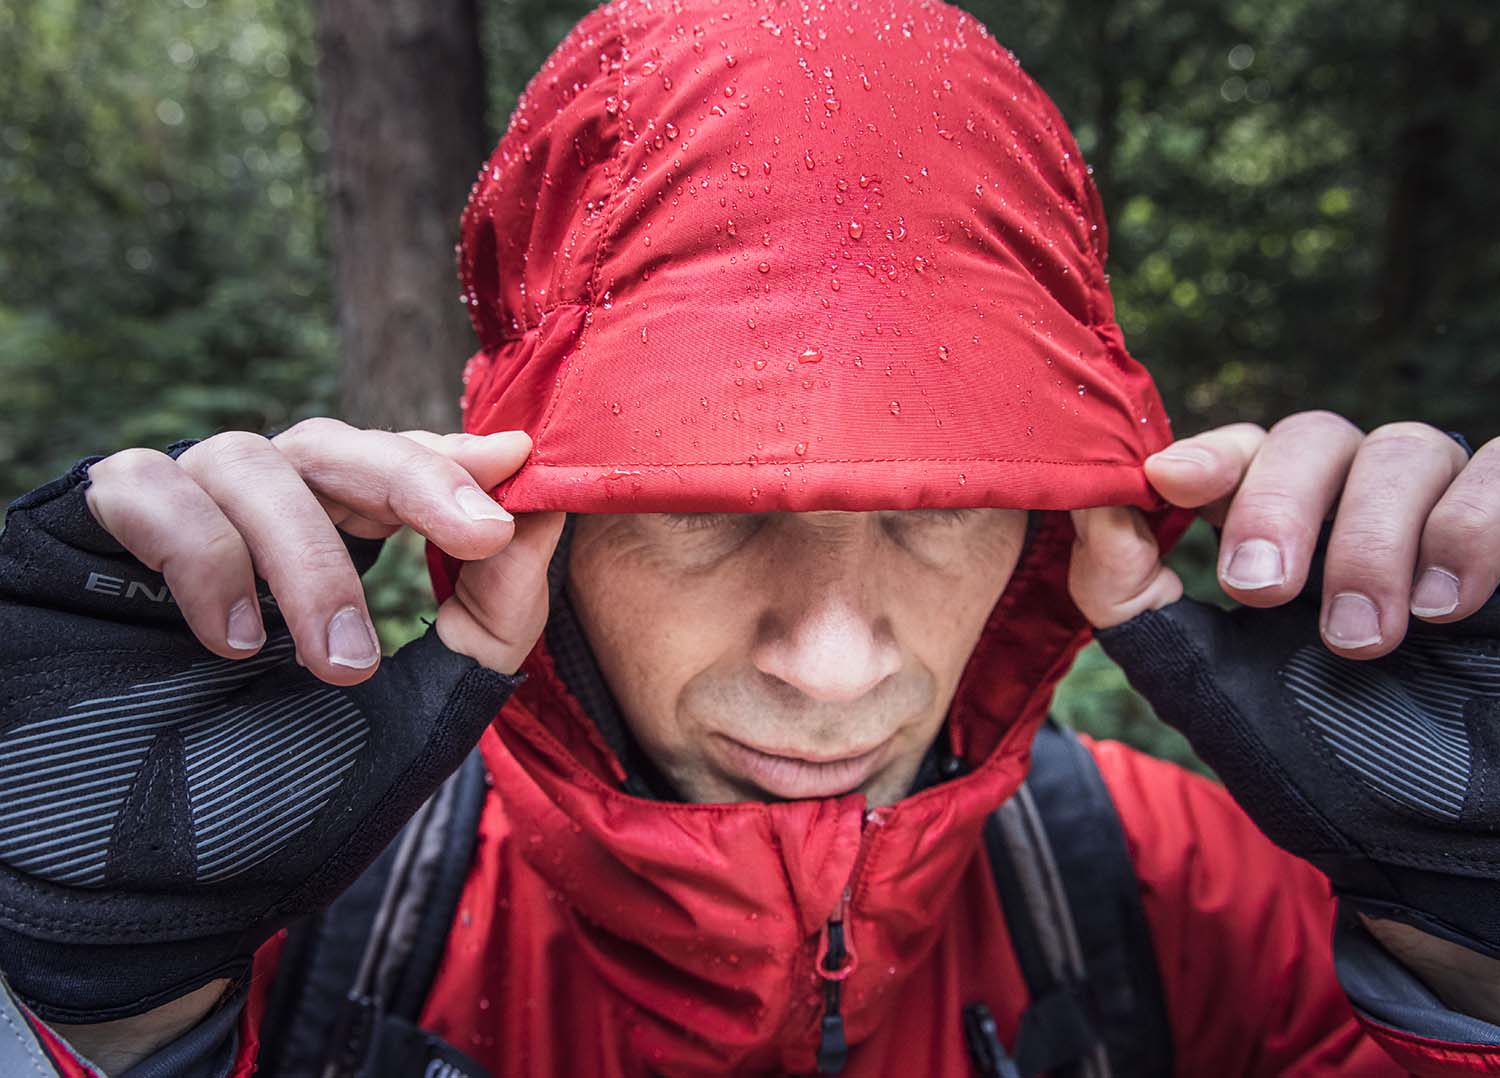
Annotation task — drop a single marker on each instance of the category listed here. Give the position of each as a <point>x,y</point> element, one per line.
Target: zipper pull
<point>836,960</point>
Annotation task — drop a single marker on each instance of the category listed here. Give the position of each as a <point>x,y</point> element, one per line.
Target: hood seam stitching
<point>605,231</point>
<point>803,463</point>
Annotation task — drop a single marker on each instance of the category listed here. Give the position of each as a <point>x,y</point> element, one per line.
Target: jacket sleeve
<point>225,1044</point>
<point>1245,939</point>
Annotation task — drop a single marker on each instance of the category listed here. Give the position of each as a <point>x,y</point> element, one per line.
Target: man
<point>803,313</point>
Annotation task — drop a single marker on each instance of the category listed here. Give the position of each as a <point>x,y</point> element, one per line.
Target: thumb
<point>1116,570</point>
<point>499,604</point>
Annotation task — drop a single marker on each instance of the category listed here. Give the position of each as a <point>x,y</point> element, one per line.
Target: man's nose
<point>832,652</point>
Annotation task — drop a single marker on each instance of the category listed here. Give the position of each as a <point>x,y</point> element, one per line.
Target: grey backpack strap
<point>1072,904</point>
<point>353,980</point>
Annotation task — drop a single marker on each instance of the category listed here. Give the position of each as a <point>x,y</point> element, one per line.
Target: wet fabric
<point>760,257</point>
<point>766,256</point>
<point>719,262</point>
<point>711,269</point>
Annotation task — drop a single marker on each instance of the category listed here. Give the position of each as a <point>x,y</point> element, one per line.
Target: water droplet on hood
<point>764,267</point>
<point>895,407</point>
<point>811,355</point>
<point>856,230</point>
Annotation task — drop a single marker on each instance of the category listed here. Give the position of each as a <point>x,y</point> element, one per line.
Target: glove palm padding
<point>164,811</point>
<point>1385,774</point>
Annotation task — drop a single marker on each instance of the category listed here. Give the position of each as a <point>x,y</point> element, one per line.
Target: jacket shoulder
<point>1241,928</point>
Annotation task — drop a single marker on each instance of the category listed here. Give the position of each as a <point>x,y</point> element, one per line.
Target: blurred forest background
<point>240,213</point>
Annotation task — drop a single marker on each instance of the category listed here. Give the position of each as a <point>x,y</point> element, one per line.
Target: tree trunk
<point>402,98</point>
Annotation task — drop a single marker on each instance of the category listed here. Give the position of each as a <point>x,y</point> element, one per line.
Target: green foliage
<point>162,268</point>
<point>1299,192</point>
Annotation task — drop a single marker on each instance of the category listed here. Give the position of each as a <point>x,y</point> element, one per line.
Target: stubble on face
<point>789,655</point>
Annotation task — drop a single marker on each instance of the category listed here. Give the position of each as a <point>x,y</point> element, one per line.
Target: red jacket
<point>756,255</point>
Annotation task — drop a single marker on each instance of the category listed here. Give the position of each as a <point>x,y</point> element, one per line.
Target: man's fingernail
<point>351,640</point>
<point>1436,594</point>
<point>1256,563</point>
<point>479,505</point>
<point>245,631</point>
<point>1353,621</point>
<point>1186,454</point>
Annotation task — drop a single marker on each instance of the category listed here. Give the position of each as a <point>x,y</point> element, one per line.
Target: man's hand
<point>1380,778</point>
<point>237,506</point>
<point>211,799</point>
<point>1416,532</point>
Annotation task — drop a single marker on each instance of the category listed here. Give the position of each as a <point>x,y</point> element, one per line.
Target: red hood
<point>761,256</point>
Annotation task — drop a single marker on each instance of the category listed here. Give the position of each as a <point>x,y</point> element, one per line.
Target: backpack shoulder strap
<point>352,981</point>
<point>1072,904</point>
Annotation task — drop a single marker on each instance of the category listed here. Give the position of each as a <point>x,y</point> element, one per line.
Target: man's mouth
<point>794,774</point>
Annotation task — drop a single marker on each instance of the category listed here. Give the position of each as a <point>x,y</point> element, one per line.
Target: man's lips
<point>797,775</point>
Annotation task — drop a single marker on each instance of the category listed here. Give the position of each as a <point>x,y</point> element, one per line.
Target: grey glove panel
<point>163,811</point>
<point>1385,773</point>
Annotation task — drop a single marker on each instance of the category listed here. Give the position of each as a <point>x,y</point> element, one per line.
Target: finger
<point>499,605</point>
<point>295,549</point>
<point>351,523</point>
<point>490,459</point>
<point>1116,570</point>
<point>1398,476</point>
<point>391,480</point>
<point>1458,567</point>
<point>1206,468</point>
<point>171,525</point>
<point>1271,528</point>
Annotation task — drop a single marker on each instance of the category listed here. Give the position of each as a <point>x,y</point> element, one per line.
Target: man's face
<point>789,655</point>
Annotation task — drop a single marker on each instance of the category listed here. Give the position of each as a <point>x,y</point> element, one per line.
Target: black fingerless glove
<point>163,811</point>
<point>1385,774</point>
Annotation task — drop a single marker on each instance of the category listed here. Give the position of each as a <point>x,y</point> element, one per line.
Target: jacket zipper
<point>833,967</point>
<point>835,962</point>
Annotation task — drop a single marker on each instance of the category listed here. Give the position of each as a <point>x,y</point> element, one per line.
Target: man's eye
<point>934,516</point>
<point>700,521</point>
